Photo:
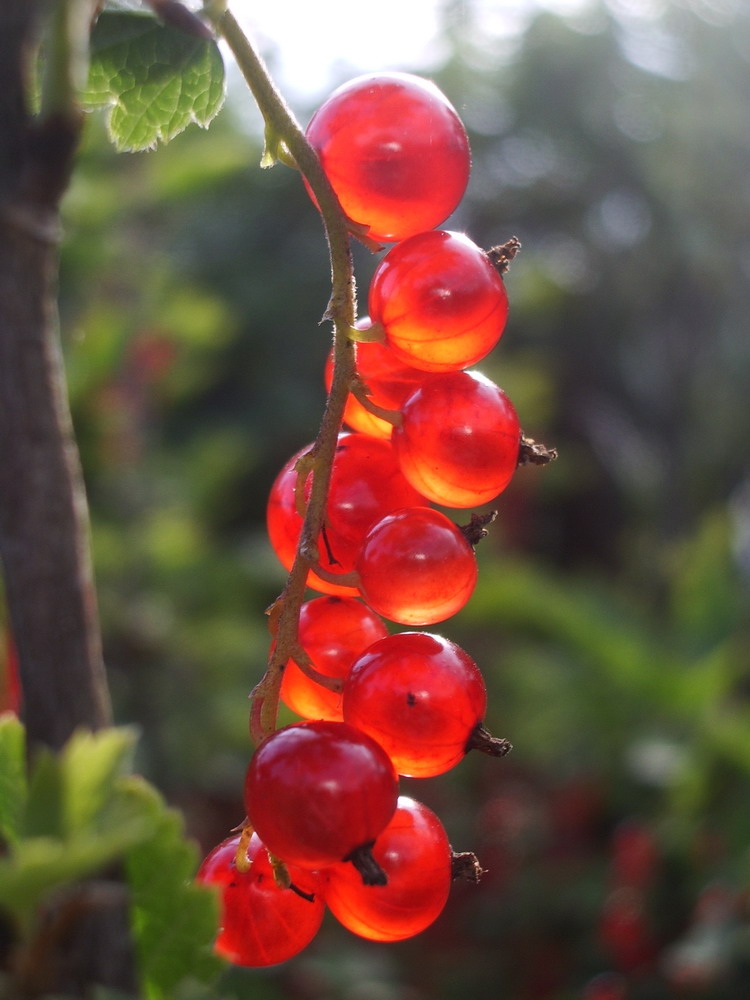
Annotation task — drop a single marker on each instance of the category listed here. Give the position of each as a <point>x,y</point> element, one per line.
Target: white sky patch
<point>312,47</point>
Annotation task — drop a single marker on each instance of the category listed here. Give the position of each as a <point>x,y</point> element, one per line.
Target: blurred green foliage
<point>611,619</point>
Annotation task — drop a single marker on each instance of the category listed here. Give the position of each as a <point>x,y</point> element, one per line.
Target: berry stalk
<point>283,132</point>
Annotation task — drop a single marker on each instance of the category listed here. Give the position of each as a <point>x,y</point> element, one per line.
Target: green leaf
<point>38,865</point>
<point>13,786</point>
<point>154,79</point>
<point>174,919</point>
<point>69,792</point>
<point>45,805</point>
<point>91,764</point>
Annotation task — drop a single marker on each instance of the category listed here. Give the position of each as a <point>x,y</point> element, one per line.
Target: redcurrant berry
<point>333,631</point>
<point>440,301</point>
<point>366,484</point>
<point>459,439</point>
<point>395,152</point>
<point>416,567</point>
<point>421,697</point>
<point>388,380</point>
<point>261,923</point>
<point>320,792</point>
<point>414,852</point>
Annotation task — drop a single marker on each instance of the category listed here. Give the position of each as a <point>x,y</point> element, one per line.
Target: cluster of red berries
<point>322,795</point>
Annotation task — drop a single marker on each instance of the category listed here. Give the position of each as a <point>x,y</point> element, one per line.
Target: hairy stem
<point>282,130</point>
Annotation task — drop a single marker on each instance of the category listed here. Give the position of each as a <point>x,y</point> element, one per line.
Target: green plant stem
<point>282,128</point>
<point>66,60</point>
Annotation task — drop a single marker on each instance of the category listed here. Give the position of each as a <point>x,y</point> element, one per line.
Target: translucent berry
<point>416,567</point>
<point>366,484</point>
<point>459,439</point>
<point>414,852</point>
<point>333,631</point>
<point>441,302</point>
<point>421,697</point>
<point>320,792</point>
<point>395,152</point>
<point>261,923</point>
<point>388,380</point>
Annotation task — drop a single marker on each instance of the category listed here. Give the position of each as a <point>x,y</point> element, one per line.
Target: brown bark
<point>83,937</point>
<point>44,542</point>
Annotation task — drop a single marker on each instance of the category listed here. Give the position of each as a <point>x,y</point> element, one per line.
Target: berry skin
<point>414,852</point>
<point>388,379</point>
<point>366,484</point>
<point>10,680</point>
<point>421,697</point>
<point>319,792</point>
<point>442,304</point>
<point>261,924</point>
<point>416,567</point>
<point>333,631</point>
<point>395,152</point>
<point>459,439</point>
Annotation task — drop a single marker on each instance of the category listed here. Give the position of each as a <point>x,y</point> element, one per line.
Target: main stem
<point>282,127</point>
<point>44,544</point>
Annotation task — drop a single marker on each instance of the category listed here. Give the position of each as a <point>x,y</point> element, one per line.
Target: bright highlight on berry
<point>421,697</point>
<point>395,152</point>
<point>416,567</point>
<point>440,301</point>
<point>414,852</point>
<point>366,484</point>
<point>333,631</point>
<point>261,923</point>
<point>459,439</point>
<point>321,792</point>
<point>388,380</point>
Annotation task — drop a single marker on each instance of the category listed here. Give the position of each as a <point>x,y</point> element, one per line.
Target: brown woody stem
<point>465,867</point>
<point>501,256</point>
<point>282,129</point>
<point>476,529</point>
<point>481,739</point>
<point>533,452</point>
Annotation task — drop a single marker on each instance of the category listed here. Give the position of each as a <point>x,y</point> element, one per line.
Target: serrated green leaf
<point>174,919</point>
<point>13,784</point>
<point>40,865</point>
<point>154,79</point>
<point>91,764</point>
<point>44,815</point>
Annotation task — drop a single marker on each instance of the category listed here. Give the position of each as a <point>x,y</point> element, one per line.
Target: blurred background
<point>611,617</point>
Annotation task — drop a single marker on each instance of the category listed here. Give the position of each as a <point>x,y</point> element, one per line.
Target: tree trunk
<point>44,542</point>
<point>44,536</point>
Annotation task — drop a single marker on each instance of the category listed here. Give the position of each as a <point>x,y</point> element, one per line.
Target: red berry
<point>416,567</point>
<point>414,852</point>
<point>421,697</point>
<point>10,680</point>
<point>333,631</point>
<point>389,382</point>
<point>459,440</point>
<point>635,856</point>
<point>366,484</point>
<point>624,929</point>
<point>395,152</point>
<point>441,302</point>
<point>261,923</point>
<point>319,792</point>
